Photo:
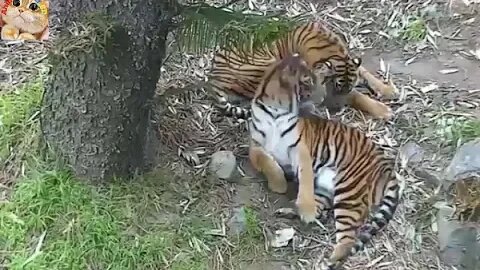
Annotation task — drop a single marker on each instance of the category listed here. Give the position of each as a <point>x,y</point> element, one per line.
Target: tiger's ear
<point>357,61</point>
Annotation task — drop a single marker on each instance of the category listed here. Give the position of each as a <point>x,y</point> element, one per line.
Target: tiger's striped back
<point>351,175</point>
<point>235,77</point>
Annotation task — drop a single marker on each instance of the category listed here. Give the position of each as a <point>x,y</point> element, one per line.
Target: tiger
<point>337,167</point>
<point>236,73</point>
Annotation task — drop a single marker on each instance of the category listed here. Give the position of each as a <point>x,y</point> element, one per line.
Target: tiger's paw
<point>382,111</point>
<point>278,186</point>
<point>389,90</point>
<point>307,210</point>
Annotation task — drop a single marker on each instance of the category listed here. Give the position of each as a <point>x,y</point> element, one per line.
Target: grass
<point>415,29</point>
<point>114,227</point>
<point>50,220</point>
<point>457,130</point>
<point>19,110</point>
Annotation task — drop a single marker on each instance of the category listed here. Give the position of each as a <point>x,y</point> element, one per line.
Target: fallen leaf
<point>429,88</point>
<point>282,237</point>
<point>409,61</point>
<point>476,53</point>
<point>469,21</point>
<point>449,71</point>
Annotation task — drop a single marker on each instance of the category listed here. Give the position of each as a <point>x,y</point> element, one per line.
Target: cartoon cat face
<point>29,16</point>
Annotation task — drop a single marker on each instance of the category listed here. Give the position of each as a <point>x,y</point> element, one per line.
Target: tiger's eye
<point>33,6</point>
<point>16,3</point>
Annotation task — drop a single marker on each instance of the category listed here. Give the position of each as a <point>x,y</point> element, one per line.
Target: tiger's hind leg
<point>266,164</point>
<point>349,216</point>
<point>373,107</point>
<point>376,85</point>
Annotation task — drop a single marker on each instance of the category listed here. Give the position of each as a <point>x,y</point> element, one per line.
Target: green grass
<point>19,110</point>
<point>415,29</point>
<point>122,226</point>
<point>457,130</point>
<point>50,220</point>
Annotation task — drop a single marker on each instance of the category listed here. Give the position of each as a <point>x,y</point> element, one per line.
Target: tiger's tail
<point>225,106</point>
<point>230,110</point>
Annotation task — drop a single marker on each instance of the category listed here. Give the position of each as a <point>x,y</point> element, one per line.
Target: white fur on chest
<point>273,142</point>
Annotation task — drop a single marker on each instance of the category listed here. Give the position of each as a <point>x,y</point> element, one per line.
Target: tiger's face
<point>302,81</point>
<point>337,78</point>
<point>345,73</point>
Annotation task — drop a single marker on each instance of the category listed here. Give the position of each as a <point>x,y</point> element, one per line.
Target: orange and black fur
<point>235,75</point>
<point>336,166</point>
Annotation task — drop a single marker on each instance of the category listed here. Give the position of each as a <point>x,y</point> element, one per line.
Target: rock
<point>458,243</point>
<point>411,153</point>
<point>237,222</point>
<point>223,164</point>
<point>466,161</point>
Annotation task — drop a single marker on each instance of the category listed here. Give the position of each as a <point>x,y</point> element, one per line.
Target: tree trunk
<point>104,69</point>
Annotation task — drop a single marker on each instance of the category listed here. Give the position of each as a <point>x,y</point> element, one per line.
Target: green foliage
<point>19,110</point>
<point>53,221</point>
<point>415,29</point>
<point>204,26</point>
<point>457,130</point>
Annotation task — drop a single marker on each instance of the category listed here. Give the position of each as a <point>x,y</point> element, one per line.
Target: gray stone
<point>223,164</point>
<point>237,223</point>
<point>458,242</point>
<point>411,153</point>
<point>465,162</point>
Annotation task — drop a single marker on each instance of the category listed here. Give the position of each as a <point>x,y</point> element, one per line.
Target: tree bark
<point>104,69</point>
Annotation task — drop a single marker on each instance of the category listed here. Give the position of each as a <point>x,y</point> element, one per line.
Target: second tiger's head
<point>289,80</point>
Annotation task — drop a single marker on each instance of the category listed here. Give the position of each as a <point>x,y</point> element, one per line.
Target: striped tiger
<point>337,167</point>
<point>236,74</point>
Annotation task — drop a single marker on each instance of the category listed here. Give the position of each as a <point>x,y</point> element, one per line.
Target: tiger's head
<point>337,77</point>
<point>290,83</point>
<point>344,72</point>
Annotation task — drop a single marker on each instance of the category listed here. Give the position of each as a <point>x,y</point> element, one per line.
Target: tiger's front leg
<point>375,84</point>
<point>373,107</point>
<point>306,203</point>
<point>266,164</point>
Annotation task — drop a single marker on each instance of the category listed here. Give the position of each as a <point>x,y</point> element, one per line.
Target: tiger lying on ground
<point>234,78</point>
<point>337,167</point>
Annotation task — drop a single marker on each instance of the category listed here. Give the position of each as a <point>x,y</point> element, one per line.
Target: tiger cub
<point>336,166</point>
<point>236,74</point>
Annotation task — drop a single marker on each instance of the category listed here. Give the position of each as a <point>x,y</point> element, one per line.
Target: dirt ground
<point>437,78</point>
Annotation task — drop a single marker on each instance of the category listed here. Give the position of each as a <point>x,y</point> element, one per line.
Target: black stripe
<point>289,129</point>
<point>258,130</point>
<point>294,144</point>
<point>263,108</point>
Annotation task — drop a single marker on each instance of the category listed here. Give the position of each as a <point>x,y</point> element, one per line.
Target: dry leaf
<point>429,88</point>
<point>476,53</point>
<point>409,61</point>
<point>282,237</point>
<point>449,71</point>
